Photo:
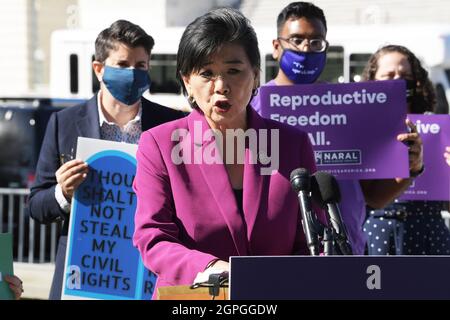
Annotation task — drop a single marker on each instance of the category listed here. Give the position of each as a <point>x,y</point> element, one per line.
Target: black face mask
<point>410,90</point>
<point>415,100</point>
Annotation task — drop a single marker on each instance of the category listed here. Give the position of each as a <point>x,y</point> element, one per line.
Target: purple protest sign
<point>434,183</point>
<point>353,127</point>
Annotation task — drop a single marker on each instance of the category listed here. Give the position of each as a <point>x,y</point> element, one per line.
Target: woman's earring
<point>191,99</point>
<point>254,92</point>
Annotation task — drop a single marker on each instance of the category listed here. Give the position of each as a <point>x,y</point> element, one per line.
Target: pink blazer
<point>187,213</point>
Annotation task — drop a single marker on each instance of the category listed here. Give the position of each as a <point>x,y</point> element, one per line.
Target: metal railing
<point>32,242</point>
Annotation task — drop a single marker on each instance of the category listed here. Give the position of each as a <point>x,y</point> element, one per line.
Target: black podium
<point>339,277</point>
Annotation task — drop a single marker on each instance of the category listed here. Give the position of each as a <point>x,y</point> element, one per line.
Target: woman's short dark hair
<point>207,34</point>
<point>424,98</point>
<point>125,32</point>
<point>299,10</point>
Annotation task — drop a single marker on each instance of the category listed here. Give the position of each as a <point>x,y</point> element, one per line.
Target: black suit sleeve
<point>43,206</point>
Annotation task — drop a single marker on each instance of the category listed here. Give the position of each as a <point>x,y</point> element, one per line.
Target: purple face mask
<point>302,67</point>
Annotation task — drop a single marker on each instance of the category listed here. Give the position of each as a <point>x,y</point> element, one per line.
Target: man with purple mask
<point>301,45</point>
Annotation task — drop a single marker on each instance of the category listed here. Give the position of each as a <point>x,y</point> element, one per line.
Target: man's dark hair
<point>208,33</point>
<point>124,32</point>
<point>299,10</point>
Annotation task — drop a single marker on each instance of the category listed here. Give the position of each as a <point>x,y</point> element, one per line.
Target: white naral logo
<point>374,280</point>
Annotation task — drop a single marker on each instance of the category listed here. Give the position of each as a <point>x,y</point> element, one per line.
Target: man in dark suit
<point>117,112</point>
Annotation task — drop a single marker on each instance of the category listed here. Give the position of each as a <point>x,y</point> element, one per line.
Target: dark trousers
<point>58,276</point>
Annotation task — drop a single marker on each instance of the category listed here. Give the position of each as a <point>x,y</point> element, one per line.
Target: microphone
<point>325,191</point>
<point>300,181</point>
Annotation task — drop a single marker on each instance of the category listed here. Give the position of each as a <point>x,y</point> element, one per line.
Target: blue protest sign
<point>101,262</point>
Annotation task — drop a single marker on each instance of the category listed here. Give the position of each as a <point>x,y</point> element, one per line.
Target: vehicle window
<point>17,142</point>
<point>358,62</point>
<point>95,82</point>
<point>22,129</point>
<point>441,100</point>
<point>447,73</point>
<point>16,135</point>
<point>163,74</point>
<point>271,68</point>
<point>73,73</point>
<point>334,70</point>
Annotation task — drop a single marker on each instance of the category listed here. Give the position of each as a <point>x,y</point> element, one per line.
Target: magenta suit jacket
<point>187,213</point>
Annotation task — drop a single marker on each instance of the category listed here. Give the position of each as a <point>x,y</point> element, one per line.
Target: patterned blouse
<point>111,131</point>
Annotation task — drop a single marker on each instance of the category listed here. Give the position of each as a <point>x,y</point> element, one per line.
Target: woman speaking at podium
<point>200,200</point>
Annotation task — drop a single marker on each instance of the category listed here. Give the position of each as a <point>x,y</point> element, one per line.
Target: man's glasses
<point>315,45</point>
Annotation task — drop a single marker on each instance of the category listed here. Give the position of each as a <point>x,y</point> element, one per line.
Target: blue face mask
<point>126,85</point>
<point>302,67</point>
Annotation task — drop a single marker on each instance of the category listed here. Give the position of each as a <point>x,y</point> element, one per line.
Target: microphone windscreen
<point>300,180</point>
<point>326,186</point>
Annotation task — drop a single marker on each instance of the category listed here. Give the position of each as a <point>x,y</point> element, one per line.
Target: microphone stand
<point>311,234</point>
<point>328,242</point>
<point>339,232</point>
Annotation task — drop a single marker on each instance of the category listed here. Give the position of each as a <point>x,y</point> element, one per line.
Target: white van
<point>72,52</point>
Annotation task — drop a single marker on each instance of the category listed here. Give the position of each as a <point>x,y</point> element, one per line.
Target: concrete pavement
<point>36,277</point>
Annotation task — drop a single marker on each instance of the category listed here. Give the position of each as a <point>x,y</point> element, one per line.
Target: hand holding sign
<point>15,284</point>
<point>415,149</point>
<point>434,183</point>
<point>101,262</point>
<point>70,175</point>
<point>447,155</point>
<point>6,265</point>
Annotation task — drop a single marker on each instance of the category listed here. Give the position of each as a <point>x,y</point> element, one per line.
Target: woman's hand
<point>220,264</point>
<point>70,175</point>
<point>415,147</point>
<point>447,155</point>
<point>217,266</point>
<point>15,284</point>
